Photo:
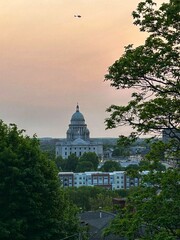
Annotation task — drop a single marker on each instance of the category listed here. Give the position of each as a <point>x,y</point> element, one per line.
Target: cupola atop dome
<point>77,117</point>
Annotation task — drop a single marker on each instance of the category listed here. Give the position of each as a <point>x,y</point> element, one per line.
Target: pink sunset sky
<point>50,60</point>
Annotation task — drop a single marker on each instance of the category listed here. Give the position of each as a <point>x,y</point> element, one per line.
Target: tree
<point>84,166</point>
<point>110,166</point>
<point>101,201</point>
<point>153,71</point>
<point>121,151</point>
<point>152,212</point>
<point>33,205</point>
<point>90,157</point>
<point>80,197</point>
<point>91,198</point>
<point>59,162</point>
<point>71,163</point>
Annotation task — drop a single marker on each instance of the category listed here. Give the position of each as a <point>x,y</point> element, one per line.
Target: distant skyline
<point>50,60</point>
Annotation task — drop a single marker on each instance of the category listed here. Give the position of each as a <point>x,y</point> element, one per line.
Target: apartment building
<point>110,180</point>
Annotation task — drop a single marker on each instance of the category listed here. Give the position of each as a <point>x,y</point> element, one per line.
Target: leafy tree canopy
<point>33,206</point>
<point>71,163</point>
<point>84,166</point>
<point>91,198</point>
<point>90,157</point>
<point>152,69</point>
<point>110,166</point>
<point>152,212</point>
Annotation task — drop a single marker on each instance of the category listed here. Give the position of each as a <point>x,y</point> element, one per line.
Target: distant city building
<point>170,133</point>
<point>110,180</point>
<point>78,139</point>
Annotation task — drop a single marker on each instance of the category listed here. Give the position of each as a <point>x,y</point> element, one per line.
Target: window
<point>95,181</point>
<point>100,180</point>
<point>105,180</point>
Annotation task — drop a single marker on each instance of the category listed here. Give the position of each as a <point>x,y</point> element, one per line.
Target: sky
<point>50,61</point>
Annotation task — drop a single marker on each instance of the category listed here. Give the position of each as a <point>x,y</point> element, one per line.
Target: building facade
<point>110,180</point>
<point>78,139</point>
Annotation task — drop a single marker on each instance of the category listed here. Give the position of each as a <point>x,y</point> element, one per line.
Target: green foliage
<point>60,163</point>
<point>157,152</point>
<point>91,198</point>
<point>151,211</point>
<point>84,166</point>
<point>48,147</point>
<point>90,157</point>
<point>153,71</point>
<point>101,201</point>
<point>123,146</point>
<point>120,152</point>
<point>87,162</point>
<point>71,163</point>
<point>79,196</point>
<point>125,142</point>
<point>33,206</point>
<point>110,166</point>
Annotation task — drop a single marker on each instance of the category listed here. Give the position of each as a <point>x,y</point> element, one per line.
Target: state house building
<point>78,139</point>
